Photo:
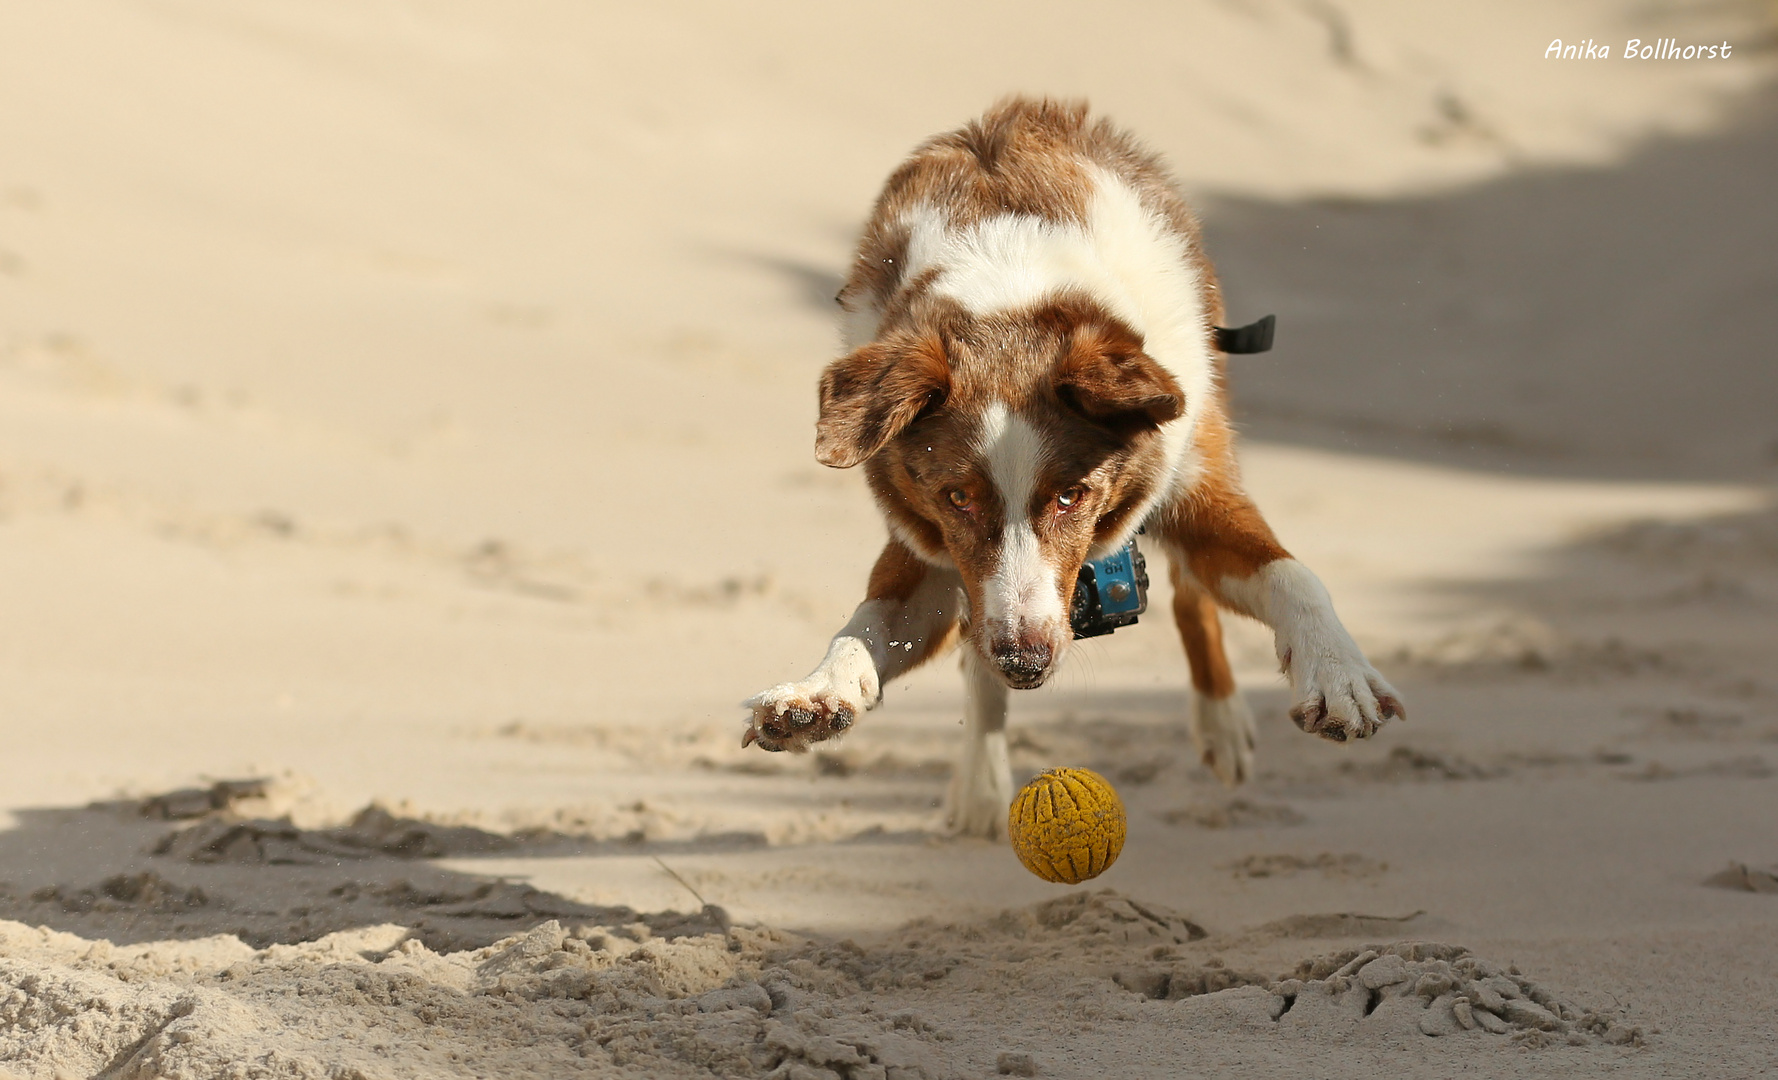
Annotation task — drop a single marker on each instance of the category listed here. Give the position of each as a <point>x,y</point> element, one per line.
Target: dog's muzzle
<point>1024,664</point>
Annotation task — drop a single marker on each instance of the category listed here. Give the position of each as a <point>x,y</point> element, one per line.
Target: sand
<point>599,1001</point>
<point>405,427</point>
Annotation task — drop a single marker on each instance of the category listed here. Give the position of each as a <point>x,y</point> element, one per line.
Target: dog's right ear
<point>867,398</point>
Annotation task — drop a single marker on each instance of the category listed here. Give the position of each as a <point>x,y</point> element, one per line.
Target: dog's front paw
<point>1339,696</point>
<point>1223,732</point>
<point>792,716</point>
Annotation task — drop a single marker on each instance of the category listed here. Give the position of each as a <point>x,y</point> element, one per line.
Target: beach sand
<point>405,469</point>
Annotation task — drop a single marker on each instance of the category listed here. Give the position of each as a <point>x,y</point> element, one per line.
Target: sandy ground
<point>405,422</point>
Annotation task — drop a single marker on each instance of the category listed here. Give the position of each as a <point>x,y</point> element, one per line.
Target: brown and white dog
<point>1030,377</point>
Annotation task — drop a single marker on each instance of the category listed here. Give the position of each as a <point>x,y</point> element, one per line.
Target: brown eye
<point>1071,496</point>
<point>959,498</point>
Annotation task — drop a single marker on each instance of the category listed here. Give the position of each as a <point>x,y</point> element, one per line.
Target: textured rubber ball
<point>1067,825</point>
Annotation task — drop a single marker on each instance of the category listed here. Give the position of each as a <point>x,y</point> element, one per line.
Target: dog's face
<point>1009,449</point>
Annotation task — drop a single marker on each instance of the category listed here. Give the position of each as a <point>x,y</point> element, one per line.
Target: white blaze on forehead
<point>1022,589</point>
<point>1125,255</point>
<point>1013,449</point>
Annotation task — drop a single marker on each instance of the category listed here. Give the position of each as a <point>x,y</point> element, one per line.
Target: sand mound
<point>599,1000</point>
<point>1744,878</point>
<point>373,832</point>
<point>370,1002</point>
<point>1438,990</point>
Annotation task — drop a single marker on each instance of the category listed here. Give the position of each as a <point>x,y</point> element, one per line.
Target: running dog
<point>1031,374</point>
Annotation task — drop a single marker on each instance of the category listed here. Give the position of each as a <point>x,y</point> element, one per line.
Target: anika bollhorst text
<point>1634,49</point>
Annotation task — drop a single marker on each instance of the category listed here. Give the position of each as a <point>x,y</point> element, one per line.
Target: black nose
<point>1025,664</point>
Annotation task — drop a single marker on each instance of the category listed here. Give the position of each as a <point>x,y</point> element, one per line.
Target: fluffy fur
<point>1030,377</point>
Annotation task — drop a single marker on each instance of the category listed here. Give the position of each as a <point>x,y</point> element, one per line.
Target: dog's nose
<point>1025,664</point>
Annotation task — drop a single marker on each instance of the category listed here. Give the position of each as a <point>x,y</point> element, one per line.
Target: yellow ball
<point>1067,825</point>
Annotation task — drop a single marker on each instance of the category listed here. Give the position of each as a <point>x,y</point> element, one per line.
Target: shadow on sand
<point>1598,323</point>
<point>195,863</point>
<point>1607,323</point>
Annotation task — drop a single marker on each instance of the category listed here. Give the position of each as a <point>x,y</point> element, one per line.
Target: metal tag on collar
<point>1111,592</point>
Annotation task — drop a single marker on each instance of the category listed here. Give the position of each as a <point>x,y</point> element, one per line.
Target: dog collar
<point>1255,337</point>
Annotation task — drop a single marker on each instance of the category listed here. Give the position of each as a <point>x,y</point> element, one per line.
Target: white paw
<point>1223,732</point>
<point>1338,694</point>
<point>791,716</point>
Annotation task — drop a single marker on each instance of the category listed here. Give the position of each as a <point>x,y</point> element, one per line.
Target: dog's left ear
<point>1107,377</point>
<point>867,398</point>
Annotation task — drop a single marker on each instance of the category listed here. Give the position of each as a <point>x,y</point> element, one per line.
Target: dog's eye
<point>1071,496</point>
<point>959,498</point>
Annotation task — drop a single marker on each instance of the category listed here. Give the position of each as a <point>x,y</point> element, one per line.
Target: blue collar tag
<point>1111,592</point>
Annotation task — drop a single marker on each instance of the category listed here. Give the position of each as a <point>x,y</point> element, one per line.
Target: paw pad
<point>779,725</point>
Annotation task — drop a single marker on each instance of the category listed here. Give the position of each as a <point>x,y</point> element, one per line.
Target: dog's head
<point>1012,447</point>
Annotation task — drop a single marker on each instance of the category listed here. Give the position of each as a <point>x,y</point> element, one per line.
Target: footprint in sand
<point>1330,865</point>
<point>1233,814</point>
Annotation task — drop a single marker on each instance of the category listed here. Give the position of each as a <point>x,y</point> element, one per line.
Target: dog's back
<point>1034,159</point>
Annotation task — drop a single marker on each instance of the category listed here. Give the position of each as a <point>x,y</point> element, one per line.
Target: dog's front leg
<point>1339,695</point>
<point>981,788</point>
<point>908,615</point>
<point>1226,548</point>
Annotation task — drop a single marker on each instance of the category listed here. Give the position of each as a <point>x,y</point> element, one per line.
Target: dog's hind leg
<point>1221,723</point>
<point>981,786</point>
